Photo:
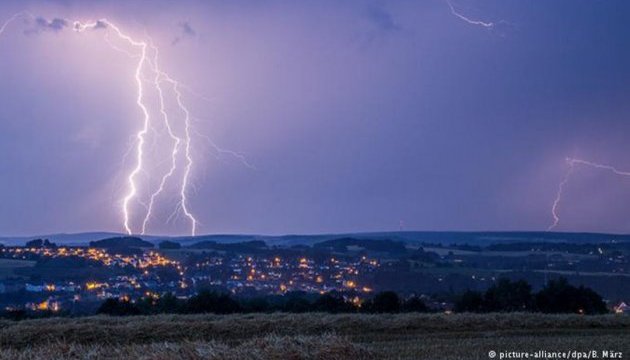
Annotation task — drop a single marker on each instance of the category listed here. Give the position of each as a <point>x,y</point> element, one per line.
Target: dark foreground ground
<point>310,336</point>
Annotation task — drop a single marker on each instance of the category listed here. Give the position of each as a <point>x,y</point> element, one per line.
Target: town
<point>55,278</point>
<point>49,278</point>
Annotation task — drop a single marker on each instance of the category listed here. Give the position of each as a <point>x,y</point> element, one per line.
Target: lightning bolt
<point>176,142</point>
<point>189,160</point>
<point>141,135</point>
<point>487,25</point>
<point>147,62</point>
<point>612,169</point>
<point>572,163</point>
<point>556,202</point>
<point>220,151</point>
<point>21,14</point>
<point>8,22</point>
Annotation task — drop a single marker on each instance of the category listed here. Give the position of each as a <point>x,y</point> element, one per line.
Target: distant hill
<point>121,242</point>
<point>376,245</point>
<point>478,238</point>
<point>252,246</point>
<point>63,239</point>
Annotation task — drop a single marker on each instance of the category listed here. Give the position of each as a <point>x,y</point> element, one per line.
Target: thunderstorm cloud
<point>382,19</point>
<point>100,25</point>
<point>42,24</point>
<point>186,30</point>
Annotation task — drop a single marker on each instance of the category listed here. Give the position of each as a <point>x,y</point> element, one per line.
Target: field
<point>7,266</point>
<point>310,336</point>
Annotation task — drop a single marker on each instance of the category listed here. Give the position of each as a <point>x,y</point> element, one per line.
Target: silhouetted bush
<point>118,308</point>
<point>469,301</point>
<point>385,302</point>
<point>210,302</point>
<point>558,296</point>
<point>508,295</point>
<point>39,243</point>
<point>414,304</point>
<point>168,304</point>
<point>297,305</point>
<point>256,305</point>
<point>332,303</point>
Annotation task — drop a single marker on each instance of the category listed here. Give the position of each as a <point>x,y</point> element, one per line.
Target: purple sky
<point>356,115</point>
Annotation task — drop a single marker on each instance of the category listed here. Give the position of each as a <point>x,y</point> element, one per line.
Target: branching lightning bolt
<point>487,25</point>
<point>159,77</point>
<point>556,202</point>
<point>171,134</point>
<point>183,203</point>
<point>572,163</point>
<point>219,151</point>
<point>614,170</point>
<point>140,136</point>
<point>147,62</point>
<point>189,160</point>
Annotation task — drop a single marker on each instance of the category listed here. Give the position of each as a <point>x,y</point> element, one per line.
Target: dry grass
<point>309,336</point>
<point>269,347</point>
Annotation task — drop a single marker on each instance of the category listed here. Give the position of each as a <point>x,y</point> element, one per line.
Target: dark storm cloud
<point>100,25</point>
<point>54,25</point>
<point>42,24</point>
<point>383,19</point>
<point>186,31</point>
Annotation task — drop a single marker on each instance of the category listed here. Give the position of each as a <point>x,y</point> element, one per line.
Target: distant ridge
<point>66,239</point>
<point>121,241</point>
<point>438,237</point>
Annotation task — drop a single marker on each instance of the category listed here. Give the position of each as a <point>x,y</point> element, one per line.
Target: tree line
<point>558,296</point>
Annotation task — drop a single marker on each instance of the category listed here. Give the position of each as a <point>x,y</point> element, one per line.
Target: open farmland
<point>310,336</point>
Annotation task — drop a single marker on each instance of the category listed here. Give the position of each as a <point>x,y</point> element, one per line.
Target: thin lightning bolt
<point>614,170</point>
<point>572,162</point>
<point>219,150</point>
<point>487,25</point>
<point>556,202</point>
<point>140,136</point>
<point>8,22</point>
<point>189,159</point>
<point>176,143</point>
<point>13,18</point>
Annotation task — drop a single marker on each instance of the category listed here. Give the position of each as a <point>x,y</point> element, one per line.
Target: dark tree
<point>211,302</point>
<point>39,243</point>
<point>414,304</point>
<point>168,304</point>
<point>333,304</point>
<point>384,302</point>
<point>256,305</point>
<point>118,308</point>
<point>558,296</point>
<point>470,301</point>
<point>508,295</point>
<point>297,305</point>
